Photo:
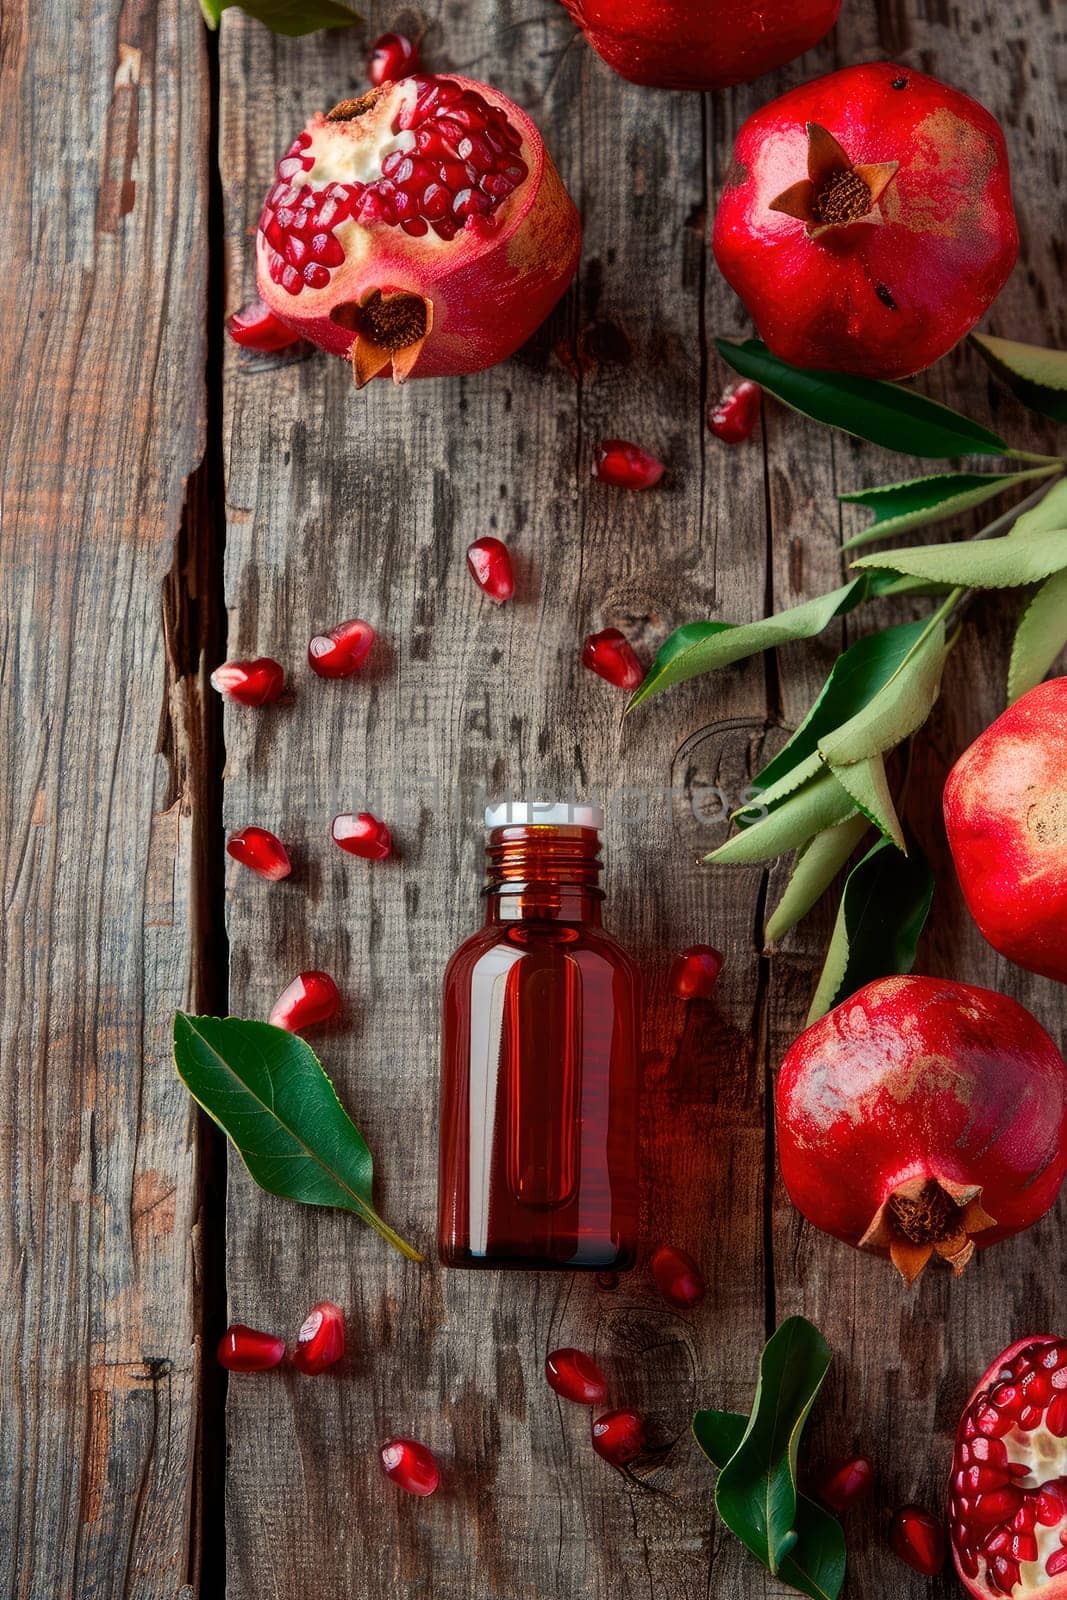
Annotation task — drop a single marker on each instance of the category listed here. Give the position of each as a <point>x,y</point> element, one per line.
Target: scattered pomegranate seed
<point>321,1340</point>
<point>250,683</point>
<point>312,997</point>
<point>342,651</point>
<point>362,835</point>
<point>626,465</point>
<point>678,1278</point>
<point>611,655</point>
<point>410,1465</point>
<point>618,1436</point>
<point>257,328</point>
<point>244,1349</point>
<point>847,1484</point>
<point>918,1539</point>
<point>695,972</point>
<point>737,413</point>
<point>392,56</point>
<point>576,1376</point>
<point>489,561</point>
<point>262,851</point>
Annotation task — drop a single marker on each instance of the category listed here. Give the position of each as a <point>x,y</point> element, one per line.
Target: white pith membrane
<point>924,1217</point>
<point>1008,1500</point>
<point>356,178</point>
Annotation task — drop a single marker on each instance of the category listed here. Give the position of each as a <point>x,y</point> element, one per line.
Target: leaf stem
<point>1028,455</point>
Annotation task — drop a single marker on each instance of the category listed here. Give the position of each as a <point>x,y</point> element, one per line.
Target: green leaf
<point>816,1565</point>
<point>1008,562</point>
<point>291,17</point>
<point>820,803</point>
<point>902,701</point>
<point>1049,513</point>
<point>868,785</point>
<point>1040,636</point>
<point>699,647</point>
<point>883,910</point>
<point>882,413</point>
<point>815,868</point>
<point>917,502</point>
<point>756,1492</point>
<point>266,1090</point>
<point>855,678</point>
<point>1035,376</point>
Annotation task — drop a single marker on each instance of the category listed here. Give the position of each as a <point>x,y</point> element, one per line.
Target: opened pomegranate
<point>420,230</point>
<point>923,1116</point>
<point>1008,1491</point>
<point>867,220</point>
<point>676,44</point>
<point>1006,818</point>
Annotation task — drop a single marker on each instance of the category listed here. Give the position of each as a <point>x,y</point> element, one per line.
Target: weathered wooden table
<point>169,500</point>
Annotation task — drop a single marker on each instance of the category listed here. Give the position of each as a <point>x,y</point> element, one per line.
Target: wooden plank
<point>343,505</point>
<point>906,1361</point>
<point>102,356</point>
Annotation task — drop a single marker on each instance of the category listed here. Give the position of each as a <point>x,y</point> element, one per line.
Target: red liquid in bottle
<point>539,1092</point>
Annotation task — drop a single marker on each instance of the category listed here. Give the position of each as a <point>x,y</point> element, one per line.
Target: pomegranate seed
<point>249,683</point>
<point>312,997</point>
<point>342,651</point>
<point>737,413</point>
<point>576,1376</point>
<point>695,972</point>
<point>321,1340</point>
<point>257,328</point>
<point>626,465</point>
<point>611,655</point>
<point>678,1278</point>
<point>362,835</point>
<point>489,561</point>
<point>410,1465</point>
<point>262,851</point>
<point>848,1484</point>
<point>918,1539</point>
<point>392,56</point>
<point>244,1349</point>
<point>618,1436</point>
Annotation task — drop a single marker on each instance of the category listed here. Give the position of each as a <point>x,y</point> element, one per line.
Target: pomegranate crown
<point>835,193</point>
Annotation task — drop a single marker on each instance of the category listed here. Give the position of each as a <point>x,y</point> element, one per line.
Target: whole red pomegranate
<point>701,44</point>
<point>922,1115</point>
<point>1006,818</point>
<point>867,220</point>
<point>1008,1491</point>
<point>421,229</point>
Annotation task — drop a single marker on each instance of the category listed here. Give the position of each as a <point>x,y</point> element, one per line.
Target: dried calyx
<point>925,1217</point>
<point>835,193</point>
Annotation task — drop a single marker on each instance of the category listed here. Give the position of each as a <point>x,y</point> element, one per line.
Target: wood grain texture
<point>342,505</point>
<point>102,354</point>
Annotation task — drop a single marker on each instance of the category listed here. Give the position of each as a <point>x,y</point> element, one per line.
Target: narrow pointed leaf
<point>756,1491</point>
<point>1050,512</point>
<point>857,675</point>
<point>1007,562</point>
<point>884,907</point>
<point>1039,637</point>
<point>266,1090</point>
<point>816,1564</point>
<point>902,702</point>
<point>1036,376</point>
<point>821,803</point>
<point>868,785</point>
<point>699,647</point>
<point>815,868</point>
<point>917,502</point>
<point>290,17</point>
<point>882,413</point>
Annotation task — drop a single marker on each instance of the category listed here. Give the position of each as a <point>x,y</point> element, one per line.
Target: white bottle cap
<point>544,813</point>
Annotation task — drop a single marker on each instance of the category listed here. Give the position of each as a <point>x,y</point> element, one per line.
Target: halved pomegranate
<point>1008,1492</point>
<point>420,229</point>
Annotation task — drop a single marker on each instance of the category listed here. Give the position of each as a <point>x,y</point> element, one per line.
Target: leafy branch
<point>829,784</point>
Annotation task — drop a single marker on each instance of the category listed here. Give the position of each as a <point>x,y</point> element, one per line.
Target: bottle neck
<point>543,873</point>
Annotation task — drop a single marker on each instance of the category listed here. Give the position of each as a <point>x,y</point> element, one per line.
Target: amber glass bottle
<point>539,1093</point>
